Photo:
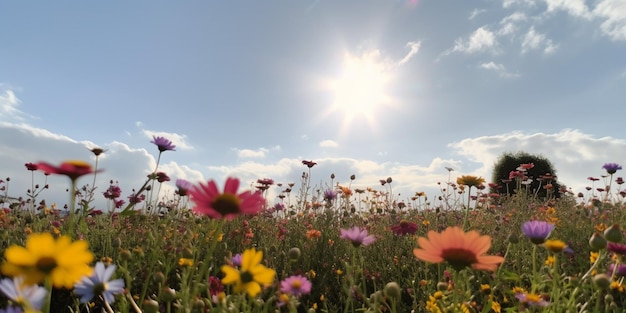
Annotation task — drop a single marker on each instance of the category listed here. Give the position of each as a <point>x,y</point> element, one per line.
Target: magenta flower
<point>162,143</point>
<point>537,231</point>
<point>295,285</point>
<point>309,164</point>
<point>616,248</point>
<point>227,204</point>
<point>113,192</point>
<point>611,168</point>
<point>135,199</point>
<point>357,236</point>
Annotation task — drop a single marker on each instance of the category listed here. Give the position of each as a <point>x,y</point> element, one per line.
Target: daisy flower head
<point>537,231</point>
<point>63,261</point>
<point>99,284</point>
<point>72,169</point>
<point>252,276</point>
<point>182,187</point>
<point>29,296</point>
<point>458,248</point>
<point>163,143</point>
<point>358,236</point>
<point>296,285</point>
<point>532,299</point>
<point>227,204</point>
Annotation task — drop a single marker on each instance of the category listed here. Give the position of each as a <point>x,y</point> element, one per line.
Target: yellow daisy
<point>62,261</point>
<point>252,275</point>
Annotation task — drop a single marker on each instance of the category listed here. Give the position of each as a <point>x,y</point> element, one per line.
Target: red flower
<point>72,169</point>
<point>228,204</point>
<point>404,227</point>
<point>309,164</point>
<point>31,166</point>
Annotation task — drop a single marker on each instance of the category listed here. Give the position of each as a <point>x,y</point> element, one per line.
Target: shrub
<point>541,177</point>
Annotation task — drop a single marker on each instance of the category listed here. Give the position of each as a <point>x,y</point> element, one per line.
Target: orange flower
<point>312,233</point>
<point>458,248</point>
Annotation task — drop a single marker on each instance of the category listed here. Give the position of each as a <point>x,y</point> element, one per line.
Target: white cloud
<point>329,144</point>
<point>476,12</point>
<point>509,23</point>
<point>576,8</point>
<point>482,39</point>
<point>534,41</point>
<point>614,13</point>
<point>498,68</point>
<point>414,48</point>
<point>249,153</point>
<point>180,141</point>
<point>524,3</point>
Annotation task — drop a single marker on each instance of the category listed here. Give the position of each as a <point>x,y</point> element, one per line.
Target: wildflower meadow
<point>220,246</point>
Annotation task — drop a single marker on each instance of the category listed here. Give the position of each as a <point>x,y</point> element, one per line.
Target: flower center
<point>246,277</point>
<point>226,203</point>
<point>46,264</point>
<point>99,288</point>
<point>459,258</point>
<point>296,284</point>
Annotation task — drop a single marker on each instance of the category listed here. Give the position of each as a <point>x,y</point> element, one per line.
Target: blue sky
<point>251,89</point>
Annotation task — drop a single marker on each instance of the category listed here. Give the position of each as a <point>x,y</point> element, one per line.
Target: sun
<point>359,92</point>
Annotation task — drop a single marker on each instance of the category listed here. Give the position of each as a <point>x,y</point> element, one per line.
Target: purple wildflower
<point>404,228</point>
<point>330,195</point>
<point>621,270</point>
<point>296,285</point>
<point>537,231</point>
<point>113,192</point>
<point>357,236</point>
<point>183,186</point>
<point>617,248</point>
<point>611,168</point>
<point>236,259</point>
<point>162,143</point>
<point>532,299</point>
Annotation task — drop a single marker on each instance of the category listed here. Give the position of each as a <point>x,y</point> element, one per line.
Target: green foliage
<point>542,174</point>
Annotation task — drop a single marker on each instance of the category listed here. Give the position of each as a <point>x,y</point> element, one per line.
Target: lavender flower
<point>537,231</point>
<point>183,186</point>
<point>162,143</point>
<point>99,284</point>
<point>14,289</point>
<point>330,195</point>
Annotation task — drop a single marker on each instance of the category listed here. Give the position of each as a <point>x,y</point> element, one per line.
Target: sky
<point>374,88</point>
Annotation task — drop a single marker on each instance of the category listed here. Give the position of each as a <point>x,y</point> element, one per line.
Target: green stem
<point>70,218</point>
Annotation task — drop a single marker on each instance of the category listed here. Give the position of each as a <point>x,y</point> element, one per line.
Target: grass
<point>167,259</point>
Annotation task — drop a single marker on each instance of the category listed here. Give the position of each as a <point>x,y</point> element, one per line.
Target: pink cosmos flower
<point>357,236</point>
<point>227,204</point>
<point>296,285</point>
<point>71,169</point>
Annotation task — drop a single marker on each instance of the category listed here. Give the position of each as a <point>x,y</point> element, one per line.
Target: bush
<point>541,176</point>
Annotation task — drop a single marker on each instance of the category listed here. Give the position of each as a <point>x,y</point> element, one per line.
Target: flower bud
<point>150,306</point>
<point>602,281</point>
<point>125,254</point>
<point>294,254</point>
<point>597,242</point>
<point>167,294</point>
<point>613,233</point>
<point>442,286</point>
<point>513,238</point>
<point>392,290</point>
<point>158,277</point>
<point>117,242</point>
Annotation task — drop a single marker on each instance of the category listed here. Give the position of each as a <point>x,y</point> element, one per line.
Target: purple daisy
<point>537,231</point>
<point>617,248</point>
<point>163,143</point>
<point>357,236</point>
<point>183,186</point>
<point>296,285</point>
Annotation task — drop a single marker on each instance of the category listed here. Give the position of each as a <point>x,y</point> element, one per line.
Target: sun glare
<point>359,91</point>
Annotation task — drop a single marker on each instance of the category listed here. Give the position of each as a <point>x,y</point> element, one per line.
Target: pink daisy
<point>228,204</point>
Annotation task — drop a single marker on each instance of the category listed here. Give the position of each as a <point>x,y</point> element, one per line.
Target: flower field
<point>216,247</point>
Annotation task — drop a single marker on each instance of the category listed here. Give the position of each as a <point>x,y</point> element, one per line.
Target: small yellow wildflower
<point>185,262</point>
<point>425,222</point>
<point>550,260</point>
<point>438,295</point>
<point>495,306</point>
<point>517,290</point>
<point>312,274</point>
<point>617,286</point>
<point>593,256</point>
<point>485,288</point>
<point>555,245</point>
<point>339,272</point>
